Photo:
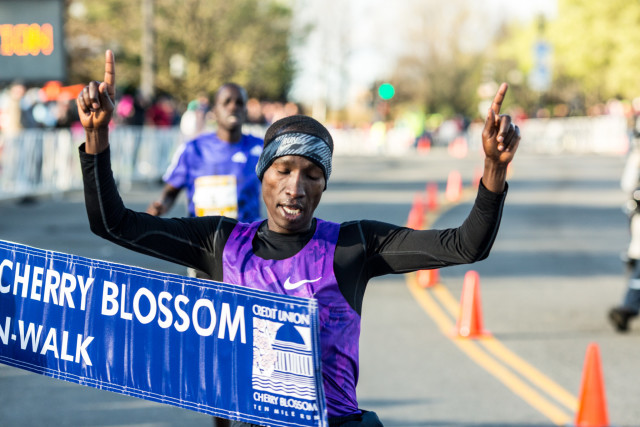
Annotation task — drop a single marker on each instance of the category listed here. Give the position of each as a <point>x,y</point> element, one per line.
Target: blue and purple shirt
<point>209,155</point>
<point>309,273</point>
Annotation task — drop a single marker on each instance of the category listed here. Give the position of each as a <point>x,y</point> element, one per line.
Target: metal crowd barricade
<point>45,162</point>
<point>38,161</point>
<point>606,135</point>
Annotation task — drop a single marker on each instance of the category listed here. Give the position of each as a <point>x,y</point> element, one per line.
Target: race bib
<point>216,195</point>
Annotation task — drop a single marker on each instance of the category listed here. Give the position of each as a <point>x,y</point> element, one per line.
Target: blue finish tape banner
<point>210,347</point>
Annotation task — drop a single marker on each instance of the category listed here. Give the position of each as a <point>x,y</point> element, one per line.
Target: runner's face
<point>230,108</point>
<point>291,188</point>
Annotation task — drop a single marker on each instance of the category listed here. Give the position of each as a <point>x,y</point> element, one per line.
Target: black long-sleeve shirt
<point>365,248</point>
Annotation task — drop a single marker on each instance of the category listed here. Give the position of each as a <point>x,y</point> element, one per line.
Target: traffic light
<point>386,91</point>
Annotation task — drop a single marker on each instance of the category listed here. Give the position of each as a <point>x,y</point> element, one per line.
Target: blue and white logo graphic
<point>283,367</point>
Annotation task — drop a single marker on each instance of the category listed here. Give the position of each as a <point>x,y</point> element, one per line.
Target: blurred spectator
<point>131,108</point>
<point>217,169</point>
<point>630,184</point>
<point>254,112</point>
<point>449,130</point>
<point>66,113</point>
<point>28,104</point>
<point>47,107</point>
<point>519,115</point>
<point>12,117</point>
<point>162,112</point>
<point>194,120</point>
<point>267,112</point>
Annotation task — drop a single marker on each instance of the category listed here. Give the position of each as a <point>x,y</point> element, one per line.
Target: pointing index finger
<point>110,73</point>
<point>497,101</point>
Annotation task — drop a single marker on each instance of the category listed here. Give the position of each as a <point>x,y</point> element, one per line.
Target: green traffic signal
<point>386,91</point>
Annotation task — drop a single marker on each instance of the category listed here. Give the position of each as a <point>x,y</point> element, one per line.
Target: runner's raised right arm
<point>187,241</point>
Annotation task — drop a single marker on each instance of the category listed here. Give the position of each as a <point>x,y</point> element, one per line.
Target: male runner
<point>292,252</point>
<point>217,168</point>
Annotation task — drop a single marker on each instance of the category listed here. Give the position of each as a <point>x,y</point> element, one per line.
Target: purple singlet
<point>309,273</point>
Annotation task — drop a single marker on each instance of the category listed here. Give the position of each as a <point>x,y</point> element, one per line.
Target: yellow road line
<point>446,299</point>
<point>429,306</point>
<point>478,355</point>
<point>518,364</point>
<point>492,345</point>
<point>531,373</point>
<point>516,385</point>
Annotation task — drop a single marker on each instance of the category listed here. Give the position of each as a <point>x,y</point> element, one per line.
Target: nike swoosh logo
<point>289,286</point>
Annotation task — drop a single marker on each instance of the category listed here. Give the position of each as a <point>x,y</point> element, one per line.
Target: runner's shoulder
<point>194,143</point>
<point>367,231</point>
<point>356,230</point>
<point>253,140</point>
<point>253,145</point>
<point>218,227</point>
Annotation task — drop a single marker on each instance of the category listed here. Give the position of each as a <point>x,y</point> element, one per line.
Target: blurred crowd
<point>49,106</point>
<point>52,105</point>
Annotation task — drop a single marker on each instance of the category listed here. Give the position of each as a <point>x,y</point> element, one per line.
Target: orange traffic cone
<point>458,147</point>
<point>424,144</point>
<point>592,407</point>
<point>427,278</point>
<point>454,186</point>
<point>415,219</point>
<point>470,319</point>
<point>432,196</point>
<point>416,214</point>
<point>418,204</point>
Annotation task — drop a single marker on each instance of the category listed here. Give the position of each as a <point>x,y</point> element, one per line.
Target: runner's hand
<point>156,208</point>
<point>97,100</point>
<point>500,137</point>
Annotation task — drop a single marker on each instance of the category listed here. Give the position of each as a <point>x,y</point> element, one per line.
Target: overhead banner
<point>215,348</point>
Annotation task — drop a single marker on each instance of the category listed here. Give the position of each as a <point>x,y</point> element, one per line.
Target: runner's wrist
<point>97,140</point>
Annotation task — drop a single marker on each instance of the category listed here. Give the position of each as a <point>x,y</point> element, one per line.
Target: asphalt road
<point>553,273</point>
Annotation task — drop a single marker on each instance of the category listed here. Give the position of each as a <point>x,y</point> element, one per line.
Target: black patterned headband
<point>296,144</point>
